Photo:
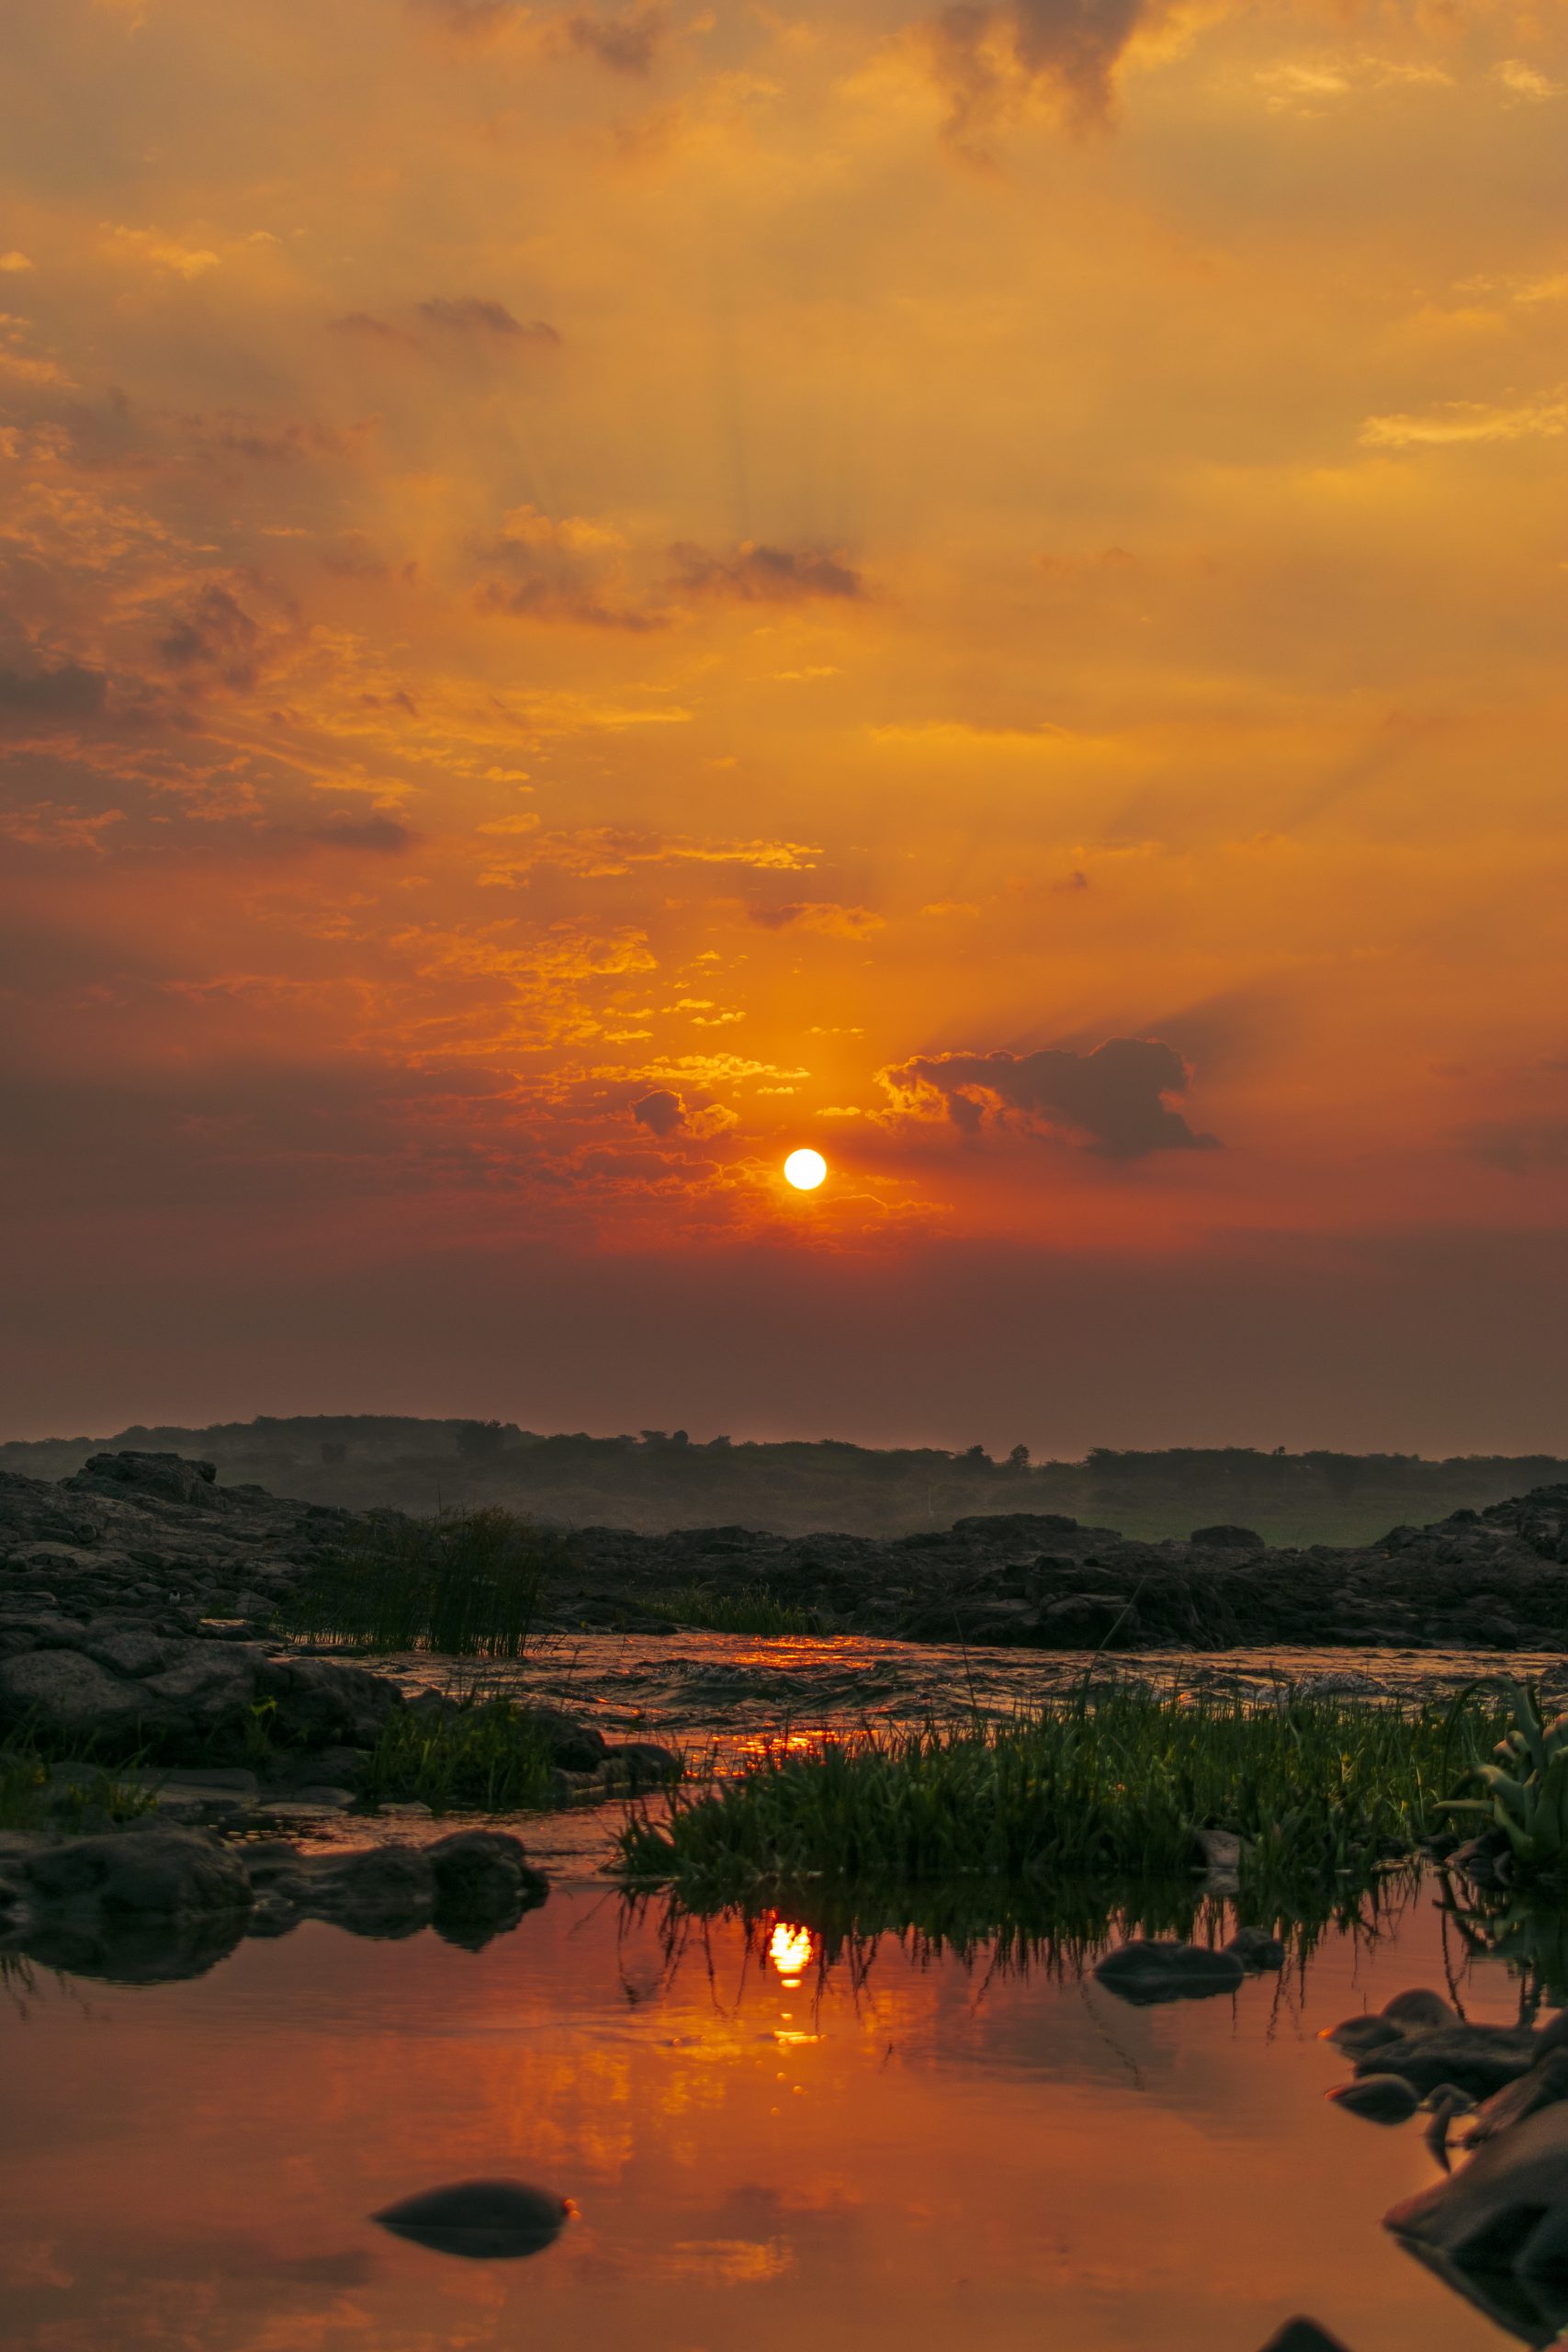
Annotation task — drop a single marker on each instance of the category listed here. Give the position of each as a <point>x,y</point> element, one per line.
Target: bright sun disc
<point>805,1169</point>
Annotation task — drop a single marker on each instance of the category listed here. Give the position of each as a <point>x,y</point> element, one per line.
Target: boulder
<point>62,1695</point>
<point>1257,1950</point>
<point>483,1875</point>
<point>1303,2336</point>
<point>1381,2098</point>
<point>168,1476</point>
<point>1479,2059</point>
<point>572,1747</point>
<point>1149,1971</point>
<point>494,2221</point>
<point>150,1873</point>
<point>1506,2211</point>
<point>320,1703</point>
<point>1225,1538</point>
<point>1546,2083</point>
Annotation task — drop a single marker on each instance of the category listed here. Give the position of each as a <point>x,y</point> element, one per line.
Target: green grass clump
<point>466,1584</point>
<point>759,1612</point>
<point>482,1756</point>
<point>31,1798</point>
<point>1109,1784</point>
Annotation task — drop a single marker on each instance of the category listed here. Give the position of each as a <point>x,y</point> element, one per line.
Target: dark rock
<point>1381,2099</point>
<point>1506,2210</point>
<point>1227,1539</point>
<point>643,1763</point>
<point>1303,2336</point>
<point>492,2221</point>
<point>1149,1971</point>
<point>572,1747</point>
<point>1543,2085</point>
<point>62,1695</point>
<point>484,1883</point>
<point>320,1703</point>
<point>1476,2058</point>
<point>1257,1950</point>
<point>169,1476</point>
<point>385,1891</point>
<point>152,1874</point>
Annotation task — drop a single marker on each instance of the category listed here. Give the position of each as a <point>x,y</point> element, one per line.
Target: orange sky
<point>588,597</point>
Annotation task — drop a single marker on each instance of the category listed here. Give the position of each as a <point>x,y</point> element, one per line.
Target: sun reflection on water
<point>790,1949</point>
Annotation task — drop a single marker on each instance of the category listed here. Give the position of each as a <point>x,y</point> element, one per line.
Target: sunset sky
<point>590,598</point>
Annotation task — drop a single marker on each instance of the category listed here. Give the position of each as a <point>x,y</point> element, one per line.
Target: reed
<point>481,1756</point>
<point>758,1613</point>
<point>465,1584</point>
<point>1108,1785</point>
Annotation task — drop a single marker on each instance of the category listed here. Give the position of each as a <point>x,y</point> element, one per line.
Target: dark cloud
<point>371,328</point>
<point>1522,1147</point>
<point>985,56</point>
<point>216,633</point>
<point>625,44</point>
<point>829,916</point>
<point>565,571</point>
<point>388,835</point>
<point>1112,1096</point>
<point>51,697</point>
<point>662,1112</point>
<point>754,574</point>
<point>540,597</point>
<point>473,314</point>
<point>473,17</point>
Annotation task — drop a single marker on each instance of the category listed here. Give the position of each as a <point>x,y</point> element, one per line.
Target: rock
<point>325,1800</point>
<point>493,2221</point>
<point>130,1650</point>
<point>1221,1850</point>
<point>1149,1971</point>
<point>1408,2013</point>
<point>169,1476</point>
<point>1257,1950</point>
<point>574,1746</point>
<point>1227,1539</point>
<point>211,1686</point>
<point>1475,2058</point>
<point>484,1883</point>
<point>320,1703</point>
<point>150,1874</point>
<point>1506,2211</point>
<point>640,1764</point>
<point>1303,2336</point>
<point>1381,2099</point>
<point>62,1695</point>
<point>1543,2085</point>
<point>386,1890</point>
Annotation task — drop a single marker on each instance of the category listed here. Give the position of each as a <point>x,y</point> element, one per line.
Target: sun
<point>805,1169</point>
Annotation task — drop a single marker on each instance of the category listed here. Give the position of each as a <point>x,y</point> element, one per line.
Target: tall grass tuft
<point>758,1612</point>
<point>33,1798</point>
<point>1110,1784</point>
<point>481,1756</point>
<point>466,1584</point>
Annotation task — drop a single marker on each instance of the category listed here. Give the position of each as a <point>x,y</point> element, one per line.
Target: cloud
<point>1522,81</point>
<point>662,1112</point>
<point>52,697</point>
<point>824,915</point>
<point>14,262</point>
<point>1522,1146</point>
<point>388,835</point>
<point>473,314</point>
<point>752,573</point>
<point>1112,1096</point>
<point>988,59</point>
<point>1462,421</point>
<point>163,253</point>
<point>625,44</point>
<point>371,329</point>
<point>563,569</point>
<point>474,20</point>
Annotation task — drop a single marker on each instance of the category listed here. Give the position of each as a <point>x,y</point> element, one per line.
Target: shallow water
<point>906,2150</point>
<point>726,1693</point>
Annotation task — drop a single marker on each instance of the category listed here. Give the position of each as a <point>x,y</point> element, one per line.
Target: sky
<point>588,597</point>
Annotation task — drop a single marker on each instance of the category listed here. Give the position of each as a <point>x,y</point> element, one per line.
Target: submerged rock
<point>1414,2012</point>
<point>148,1873</point>
<point>483,2221</point>
<point>1257,1950</point>
<point>1381,2098</point>
<point>1476,2058</point>
<point>1147,1972</point>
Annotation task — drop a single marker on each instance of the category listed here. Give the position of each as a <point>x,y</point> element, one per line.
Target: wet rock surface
<point>145,1572</point>
<point>482,2221</point>
<point>153,1904</point>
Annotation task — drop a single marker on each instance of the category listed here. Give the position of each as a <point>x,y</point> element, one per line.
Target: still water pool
<point>895,2149</point>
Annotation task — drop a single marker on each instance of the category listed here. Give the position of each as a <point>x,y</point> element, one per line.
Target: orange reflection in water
<point>790,1949</point>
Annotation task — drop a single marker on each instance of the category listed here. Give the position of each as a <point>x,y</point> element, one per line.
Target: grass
<point>31,1798</point>
<point>758,1612</point>
<point>463,1584</point>
<point>1108,1785</point>
<point>481,1757</point>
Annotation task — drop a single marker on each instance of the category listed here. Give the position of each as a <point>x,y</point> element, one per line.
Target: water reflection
<point>803,2124</point>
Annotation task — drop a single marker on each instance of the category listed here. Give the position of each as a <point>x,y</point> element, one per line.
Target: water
<point>900,2150</point>
<point>896,2147</point>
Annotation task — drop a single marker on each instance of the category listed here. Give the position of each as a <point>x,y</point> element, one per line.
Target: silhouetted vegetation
<point>481,1756</point>
<point>468,1584</point>
<point>759,1612</point>
<point>663,1480</point>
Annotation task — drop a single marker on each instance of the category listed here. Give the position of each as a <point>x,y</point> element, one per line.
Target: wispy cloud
<point>1470,420</point>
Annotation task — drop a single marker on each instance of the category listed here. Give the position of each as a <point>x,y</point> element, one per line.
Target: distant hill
<point>660,1480</point>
